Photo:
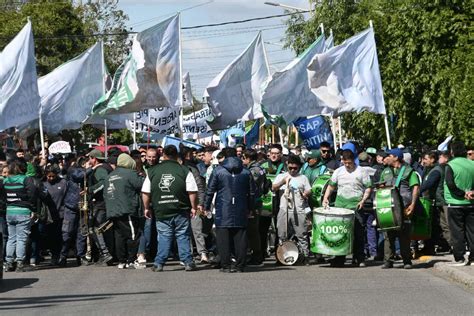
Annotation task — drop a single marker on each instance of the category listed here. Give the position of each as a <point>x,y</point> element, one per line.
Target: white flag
<point>69,91</point>
<point>150,75</point>
<point>235,93</point>
<point>19,98</point>
<point>347,77</point>
<point>287,93</point>
<point>187,92</point>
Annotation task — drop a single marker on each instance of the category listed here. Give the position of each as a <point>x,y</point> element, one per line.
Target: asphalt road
<point>271,290</point>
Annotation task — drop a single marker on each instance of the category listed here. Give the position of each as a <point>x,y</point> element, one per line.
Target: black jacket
<point>235,190</point>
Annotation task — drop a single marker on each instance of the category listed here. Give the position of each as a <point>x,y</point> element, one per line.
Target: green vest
<point>168,189</point>
<point>463,172</point>
<point>388,176</point>
<point>17,201</point>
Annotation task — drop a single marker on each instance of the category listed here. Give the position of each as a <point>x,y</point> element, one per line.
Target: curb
<point>455,274</point>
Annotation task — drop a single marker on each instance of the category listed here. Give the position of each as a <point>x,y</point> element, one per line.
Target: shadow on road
<point>48,301</point>
<point>13,284</point>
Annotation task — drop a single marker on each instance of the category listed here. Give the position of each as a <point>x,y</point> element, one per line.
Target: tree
<point>425,60</point>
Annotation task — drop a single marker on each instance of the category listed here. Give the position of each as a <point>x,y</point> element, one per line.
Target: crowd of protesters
<point>221,208</point>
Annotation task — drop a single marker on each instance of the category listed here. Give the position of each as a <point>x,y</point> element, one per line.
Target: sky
<point>207,51</point>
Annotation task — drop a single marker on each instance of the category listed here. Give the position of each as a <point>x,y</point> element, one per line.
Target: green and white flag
<point>150,75</point>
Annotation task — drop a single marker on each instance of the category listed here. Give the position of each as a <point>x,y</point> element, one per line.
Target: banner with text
<point>165,121</point>
<point>313,131</point>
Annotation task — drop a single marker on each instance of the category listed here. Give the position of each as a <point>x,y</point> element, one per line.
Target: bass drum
<point>388,208</point>
<point>318,189</point>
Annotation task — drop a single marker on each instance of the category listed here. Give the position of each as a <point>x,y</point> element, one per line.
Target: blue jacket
<point>235,190</point>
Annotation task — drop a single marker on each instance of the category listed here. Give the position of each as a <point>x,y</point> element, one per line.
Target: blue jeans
<point>178,227</point>
<point>19,227</point>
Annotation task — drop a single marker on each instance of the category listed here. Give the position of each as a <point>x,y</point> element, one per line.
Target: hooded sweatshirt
<point>235,193</point>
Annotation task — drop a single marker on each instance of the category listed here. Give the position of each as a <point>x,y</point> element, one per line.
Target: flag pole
<point>41,134</point>
<point>322,28</point>
<point>103,93</point>
<point>180,121</point>
<point>149,131</point>
<point>105,142</point>
<point>334,139</point>
<point>340,131</point>
<point>134,130</point>
<point>387,131</point>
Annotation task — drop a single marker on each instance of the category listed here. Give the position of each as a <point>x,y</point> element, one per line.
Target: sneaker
<point>122,266</point>
<point>20,267</point>
<point>8,267</point>
<point>181,263</point>
<point>227,270</point>
<point>204,258</point>
<point>190,267</point>
<point>137,265</point>
<point>141,259</point>
<point>460,263</point>
<point>62,262</point>
<point>82,261</point>
<point>361,264</point>
<point>407,266</point>
<point>105,260</point>
<point>157,268</point>
<point>387,265</point>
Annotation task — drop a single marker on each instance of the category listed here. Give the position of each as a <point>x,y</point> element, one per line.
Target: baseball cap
<point>95,153</point>
<point>363,156</point>
<point>371,150</point>
<point>397,152</point>
<point>313,154</point>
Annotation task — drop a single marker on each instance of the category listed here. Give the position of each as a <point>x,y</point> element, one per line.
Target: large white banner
<point>19,97</point>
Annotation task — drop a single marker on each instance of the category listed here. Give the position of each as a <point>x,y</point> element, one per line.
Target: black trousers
<point>404,238</point>
<point>228,237</point>
<point>127,238</point>
<point>264,223</point>
<point>461,225</point>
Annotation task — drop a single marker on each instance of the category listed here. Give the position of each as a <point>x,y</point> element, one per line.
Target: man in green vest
<point>173,190</point>
<point>401,175</point>
<point>459,195</point>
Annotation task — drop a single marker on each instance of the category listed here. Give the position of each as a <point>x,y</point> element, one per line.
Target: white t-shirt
<point>298,185</point>
<point>351,185</point>
<point>191,185</point>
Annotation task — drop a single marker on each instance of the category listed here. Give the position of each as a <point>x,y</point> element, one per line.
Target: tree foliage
<point>426,64</point>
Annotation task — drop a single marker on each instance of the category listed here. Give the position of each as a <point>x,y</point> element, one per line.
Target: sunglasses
<point>324,151</point>
<point>293,168</point>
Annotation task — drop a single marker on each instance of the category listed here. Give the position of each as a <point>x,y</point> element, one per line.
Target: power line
<point>183,28</point>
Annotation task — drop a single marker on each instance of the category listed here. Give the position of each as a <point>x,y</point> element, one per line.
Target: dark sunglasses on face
<point>324,151</point>
<point>293,168</point>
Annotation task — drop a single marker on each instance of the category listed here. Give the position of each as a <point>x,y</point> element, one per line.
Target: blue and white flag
<point>232,136</point>
<point>252,134</point>
<point>314,131</point>
<point>176,142</point>
<point>150,75</point>
<point>287,93</point>
<point>235,93</point>
<point>347,77</point>
<point>69,91</point>
<point>19,97</point>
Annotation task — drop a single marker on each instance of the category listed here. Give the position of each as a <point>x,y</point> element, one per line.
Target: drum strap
<point>399,178</point>
<point>280,167</point>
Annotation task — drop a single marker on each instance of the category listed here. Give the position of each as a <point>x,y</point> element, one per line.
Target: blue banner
<point>313,131</point>
<point>251,136</point>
